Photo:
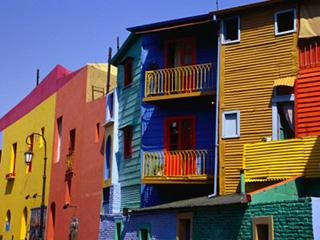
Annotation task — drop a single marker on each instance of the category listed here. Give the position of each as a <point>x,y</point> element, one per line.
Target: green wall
<point>129,114</point>
<point>292,220</point>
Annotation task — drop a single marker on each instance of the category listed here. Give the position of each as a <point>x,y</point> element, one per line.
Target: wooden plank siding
<point>247,73</point>
<point>308,102</point>
<point>130,115</point>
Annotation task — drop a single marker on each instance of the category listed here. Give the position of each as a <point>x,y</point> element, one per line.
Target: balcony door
<point>179,53</point>
<point>179,140</point>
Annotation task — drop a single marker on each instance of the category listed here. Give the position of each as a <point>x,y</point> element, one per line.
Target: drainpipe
<point>242,183</point>
<point>216,157</point>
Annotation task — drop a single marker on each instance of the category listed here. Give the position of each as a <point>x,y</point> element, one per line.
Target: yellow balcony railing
<point>70,162</point>
<point>183,164</point>
<point>184,79</point>
<point>279,160</point>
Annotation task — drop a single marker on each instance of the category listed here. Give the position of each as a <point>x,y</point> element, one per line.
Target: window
<point>181,52</point>
<point>13,159</point>
<point>262,228</point>
<point>231,30</point>
<point>72,140</point>
<point>118,229</point>
<point>231,124</point>
<point>58,140</point>
<point>144,232</point>
<point>180,133</point>
<point>284,22</point>
<point>128,71</point>
<point>24,224</point>
<point>68,191</point>
<point>128,137</point>
<point>31,139</point>
<point>107,159</point>
<point>283,125</point>
<point>105,200</point>
<point>7,221</point>
<point>97,132</point>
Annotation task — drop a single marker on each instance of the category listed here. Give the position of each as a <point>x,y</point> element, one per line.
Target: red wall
<point>86,182</point>
<point>307,110</point>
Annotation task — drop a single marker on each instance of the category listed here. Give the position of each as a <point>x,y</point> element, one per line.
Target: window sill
<point>127,86</point>
<point>10,176</point>
<point>230,42</point>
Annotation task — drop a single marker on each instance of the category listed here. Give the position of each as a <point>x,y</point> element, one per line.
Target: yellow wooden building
<point>258,48</point>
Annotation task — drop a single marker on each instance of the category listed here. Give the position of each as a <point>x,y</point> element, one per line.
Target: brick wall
<point>292,220</point>
<point>107,224</point>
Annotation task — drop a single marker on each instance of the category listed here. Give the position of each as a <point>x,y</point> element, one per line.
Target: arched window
<point>7,221</point>
<point>24,219</point>
<point>51,221</point>
<point>108,159</point>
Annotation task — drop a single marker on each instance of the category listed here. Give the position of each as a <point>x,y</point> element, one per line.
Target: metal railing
<point>184,79</point>
<point>178,163</point>
<point>278,160</point>
<point>70,162</point>
<point>309,53</point>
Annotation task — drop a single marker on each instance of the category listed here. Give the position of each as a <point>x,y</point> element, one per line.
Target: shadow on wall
<point>9,186</point>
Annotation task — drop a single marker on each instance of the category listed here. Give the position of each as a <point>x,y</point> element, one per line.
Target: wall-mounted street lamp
<point>28,155</point>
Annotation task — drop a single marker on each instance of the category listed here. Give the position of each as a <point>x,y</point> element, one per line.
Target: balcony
<point>70,163</point>
<point>186,81</point>
<point>280,160</point>
<point>183,167</point>
<point>309,53</point>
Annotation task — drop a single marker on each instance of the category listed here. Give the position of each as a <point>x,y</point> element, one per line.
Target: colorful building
<point>250,68</point>
<point>78,155</point>
<point>21,185</point>
<point>267,96</point>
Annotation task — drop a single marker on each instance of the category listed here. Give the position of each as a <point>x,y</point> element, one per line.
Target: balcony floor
<point>178,95</point>
<point>190,179</point>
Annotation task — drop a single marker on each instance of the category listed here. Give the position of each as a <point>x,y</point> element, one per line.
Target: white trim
<point>237,112</point>
<point>276,33</point>
<point>223,40</point>
<point>275,114</point>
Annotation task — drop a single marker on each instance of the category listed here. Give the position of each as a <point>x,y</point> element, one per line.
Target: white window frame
<point>237,112</point>
<point>224,41</point>
<point>276,32</point>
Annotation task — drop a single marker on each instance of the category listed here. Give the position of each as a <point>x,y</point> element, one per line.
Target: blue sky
<point>41,34</point>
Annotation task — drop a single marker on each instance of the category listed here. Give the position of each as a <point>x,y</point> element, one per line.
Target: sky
<point>37,34</point>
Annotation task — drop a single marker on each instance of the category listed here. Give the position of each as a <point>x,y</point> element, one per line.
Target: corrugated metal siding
<point>129,114</point>
<point>248,70</point>
<point>308,103</point>
<point>280,160</point>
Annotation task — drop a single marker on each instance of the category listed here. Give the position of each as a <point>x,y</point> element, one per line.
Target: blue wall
<point>153,115</point>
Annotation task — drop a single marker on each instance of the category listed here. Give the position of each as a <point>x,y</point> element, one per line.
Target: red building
<point>75,187</point>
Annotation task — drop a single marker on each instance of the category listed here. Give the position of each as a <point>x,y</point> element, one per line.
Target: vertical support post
<point>242,183</point>
<point>109,67</point>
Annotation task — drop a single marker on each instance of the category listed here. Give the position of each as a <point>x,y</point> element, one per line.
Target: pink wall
<point>48,86</point>
<point>86,182</point>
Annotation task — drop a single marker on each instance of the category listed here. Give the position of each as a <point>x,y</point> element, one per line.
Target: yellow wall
<point>279,160</point>
<point>97,77</point>
<point>247,72</point>
<point>14,191</point>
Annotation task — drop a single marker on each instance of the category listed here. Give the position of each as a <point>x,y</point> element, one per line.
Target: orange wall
<point>86,181</point>
<point>308,102</point>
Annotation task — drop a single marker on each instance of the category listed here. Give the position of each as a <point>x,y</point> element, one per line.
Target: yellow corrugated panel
<point>282,159</point>
<point>248,70</point>
<point>286,81</point>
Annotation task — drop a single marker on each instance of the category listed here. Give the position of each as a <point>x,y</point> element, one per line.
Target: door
<point>179,138</point>
<point>179,53</point>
